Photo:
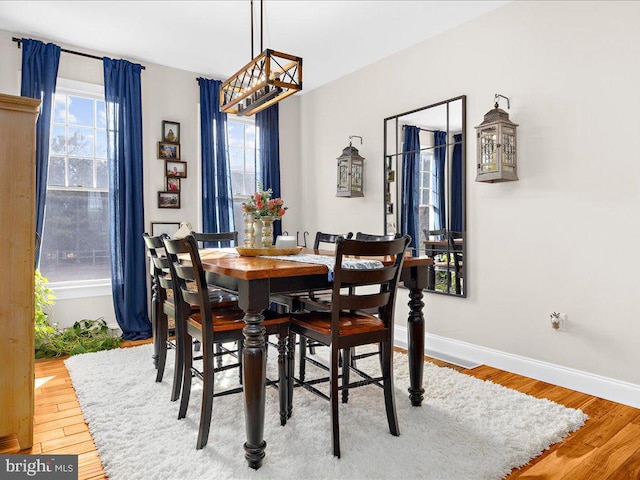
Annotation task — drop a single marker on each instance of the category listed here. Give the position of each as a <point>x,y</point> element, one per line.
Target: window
<point>426,204</point>
<point>75,244</point>
<point>243,151</point>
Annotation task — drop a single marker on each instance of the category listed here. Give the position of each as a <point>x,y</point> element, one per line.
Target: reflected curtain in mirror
<point>439,193</point>
<point>411,185</point>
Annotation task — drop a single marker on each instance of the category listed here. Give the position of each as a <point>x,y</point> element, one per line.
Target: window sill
<point>69,290</point>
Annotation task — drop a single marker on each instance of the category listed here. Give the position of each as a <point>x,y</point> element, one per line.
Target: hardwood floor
<point>606,448</point>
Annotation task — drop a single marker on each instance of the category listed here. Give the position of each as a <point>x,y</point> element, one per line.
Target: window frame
<point>80,288</point>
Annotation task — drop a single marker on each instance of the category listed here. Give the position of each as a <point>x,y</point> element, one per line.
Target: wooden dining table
<point>255,279</point>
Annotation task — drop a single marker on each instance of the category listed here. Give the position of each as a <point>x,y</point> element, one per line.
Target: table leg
<point>253,298</point>
<point>415,329</point>
<point>254,375</point>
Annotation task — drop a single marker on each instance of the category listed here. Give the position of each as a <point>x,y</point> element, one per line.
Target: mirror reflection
<point>425,162</point>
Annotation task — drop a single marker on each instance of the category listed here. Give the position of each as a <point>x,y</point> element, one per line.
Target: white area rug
<point>466,428</point>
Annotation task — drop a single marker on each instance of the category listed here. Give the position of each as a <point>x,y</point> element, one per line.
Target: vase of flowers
<point>264,210</point>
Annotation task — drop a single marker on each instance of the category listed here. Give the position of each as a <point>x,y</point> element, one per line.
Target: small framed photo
<point>170,131</point>
<point>158,228</point>
<point>168,151</point>
<point>175,169</point>
<point>391,176</point>
<point>168,199</point>
<point>173,184</point>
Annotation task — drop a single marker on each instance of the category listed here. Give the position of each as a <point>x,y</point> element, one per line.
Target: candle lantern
<point>350,172</point>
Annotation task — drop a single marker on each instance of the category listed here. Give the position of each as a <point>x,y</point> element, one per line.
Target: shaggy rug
<point>466,428</point>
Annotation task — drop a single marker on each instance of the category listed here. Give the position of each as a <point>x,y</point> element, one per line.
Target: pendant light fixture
<point>268,78</point>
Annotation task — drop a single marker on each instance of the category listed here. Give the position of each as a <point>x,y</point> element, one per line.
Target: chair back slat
<point>364,301</point>
<point>190,296</point>
<point>329,238</point>
<point>165,282</point>
<point>216,240</point>
<point>369,276</point>
<point>376,238</point>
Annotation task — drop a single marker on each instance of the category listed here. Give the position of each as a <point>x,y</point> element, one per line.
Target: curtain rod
<point>423,129</point>
<point>19,42</point>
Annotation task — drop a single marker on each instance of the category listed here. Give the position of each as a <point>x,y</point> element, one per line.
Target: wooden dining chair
<point>348,324</point>
<point>212,325</point>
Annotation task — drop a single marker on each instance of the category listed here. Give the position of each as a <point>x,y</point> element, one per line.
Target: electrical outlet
<point>558,321</point>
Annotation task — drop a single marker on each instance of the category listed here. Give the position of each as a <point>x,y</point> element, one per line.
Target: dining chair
<point>348,325</point>
<point>163,309</point>
<point>445,247</point>
<point>303,301</point>
<point>211,325</point>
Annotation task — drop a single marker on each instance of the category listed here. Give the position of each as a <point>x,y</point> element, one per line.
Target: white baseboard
<point>590,383</point>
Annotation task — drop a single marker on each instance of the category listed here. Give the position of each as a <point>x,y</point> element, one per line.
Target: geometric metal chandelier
<point>268,78</point>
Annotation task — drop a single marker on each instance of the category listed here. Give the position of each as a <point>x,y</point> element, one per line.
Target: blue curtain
<point>39,75</point>
<point>217,198</point>
<point>122,95</point>
<point>456,185</point>
<point>410,220</point>
<point>439,195</point>
<point>269,137</point>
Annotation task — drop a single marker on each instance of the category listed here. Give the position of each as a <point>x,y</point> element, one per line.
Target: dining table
<point>255,278</point>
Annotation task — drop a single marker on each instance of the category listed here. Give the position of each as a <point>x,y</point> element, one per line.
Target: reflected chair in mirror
<point>445,247</point>
<point>212,325</point>
<point>347,324</point>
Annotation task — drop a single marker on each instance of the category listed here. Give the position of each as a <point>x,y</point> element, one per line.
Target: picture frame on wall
<point>168,199</point>
<point>170,131</point>
<point>175,169</point>
<point>158,228</point>
<point>173,184</point>
<point>168,151</point>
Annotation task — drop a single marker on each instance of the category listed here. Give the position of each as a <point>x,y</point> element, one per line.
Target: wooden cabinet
<point>17,219</point>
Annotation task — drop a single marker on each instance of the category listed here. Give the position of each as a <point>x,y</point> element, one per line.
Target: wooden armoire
<point>18,117</point>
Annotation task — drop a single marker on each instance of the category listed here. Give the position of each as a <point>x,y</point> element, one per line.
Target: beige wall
<point>560,239</point>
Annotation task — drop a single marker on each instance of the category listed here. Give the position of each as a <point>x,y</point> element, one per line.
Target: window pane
<point>80,111</point>
<point>237,183</point>
<point>236,158</point>
<point>81,172</point>
<point>56,171</point>
<point>101,143</point>
<point>102,174</point>
<point>236,134</point>
<point>81,141</point>
<point>101,115</point>
<point>250,158</point>
<point>250,132</point>
<point>57,140</point>
<point>250,183</point>
<point>75,244</point>
<point>59,108</point>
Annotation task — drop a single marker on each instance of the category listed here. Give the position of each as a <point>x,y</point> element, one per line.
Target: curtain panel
<point>126,200</point>
<point>439,196</point>
<point>456,185</point>
<point>217,197</point>
<point>409,221</point>
<point>39,75</point>
<point>267,124</point>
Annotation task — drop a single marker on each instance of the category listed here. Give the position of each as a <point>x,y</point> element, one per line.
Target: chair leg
<point>291,367</point>
<point>283,387</point>
<point>389,398</point>
<point>218,349</point>
<point>162,328</point>
<point>334,401</point>
<point>346,353</point>
<point>303,354</point>
<point>207,393</point>
<point>312,348</point>
<point>186,375</point>
<point>178,364</point>
<point>154,322</point>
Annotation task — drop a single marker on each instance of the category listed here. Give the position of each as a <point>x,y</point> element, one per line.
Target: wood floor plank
<point>56,444</point>
<point>630,470</point>
<point>76,428</point>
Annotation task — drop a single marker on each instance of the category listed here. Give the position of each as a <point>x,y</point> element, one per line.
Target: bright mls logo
<point>46,467</point>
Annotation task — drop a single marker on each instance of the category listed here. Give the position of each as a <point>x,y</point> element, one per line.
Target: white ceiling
<point>212,38</point>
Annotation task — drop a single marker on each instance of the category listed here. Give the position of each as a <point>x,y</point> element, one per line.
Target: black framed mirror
<point>425,188</point>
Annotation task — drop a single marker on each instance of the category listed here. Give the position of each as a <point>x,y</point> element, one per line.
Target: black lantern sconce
<point>497,158</point>
<point>350,172</point>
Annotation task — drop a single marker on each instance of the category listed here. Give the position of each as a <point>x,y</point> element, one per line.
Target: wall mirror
<point>424,171</point>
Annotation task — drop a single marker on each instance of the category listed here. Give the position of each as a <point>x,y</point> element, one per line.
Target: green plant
<point>84,336</point>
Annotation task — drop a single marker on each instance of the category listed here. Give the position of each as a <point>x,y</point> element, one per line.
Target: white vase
<point>267,231</point>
